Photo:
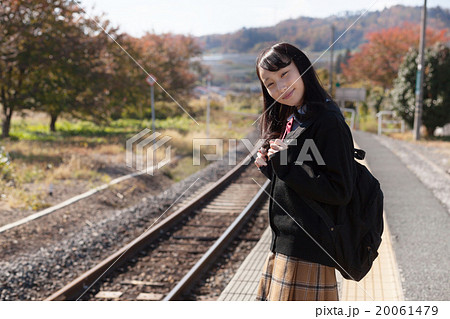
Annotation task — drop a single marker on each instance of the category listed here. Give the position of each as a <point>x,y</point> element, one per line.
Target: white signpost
<point>151,80</point>
<point>350,94</point>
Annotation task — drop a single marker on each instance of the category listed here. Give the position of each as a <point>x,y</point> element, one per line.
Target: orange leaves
<point>379,59</point>
<point>168,56</point>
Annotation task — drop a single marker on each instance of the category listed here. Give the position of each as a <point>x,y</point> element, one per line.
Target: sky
<point>201,17</point>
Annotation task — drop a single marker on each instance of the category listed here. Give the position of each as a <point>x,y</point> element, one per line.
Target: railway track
<point>66,203</point>
<point>165,261</point>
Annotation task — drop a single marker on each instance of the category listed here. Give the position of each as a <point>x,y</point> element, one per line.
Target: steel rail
<point>75,288</point>
<point>218,247</point>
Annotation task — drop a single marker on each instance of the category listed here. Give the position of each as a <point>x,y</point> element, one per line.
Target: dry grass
<point>110,149</point>
<point>22,199</point>
<point>35,165</point>
<point>408,136</point>
<point>368,123</point>
<point>182,145</point>
<point>68,160</point>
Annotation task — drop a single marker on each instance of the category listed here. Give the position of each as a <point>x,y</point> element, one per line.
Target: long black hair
<point>275,114</point>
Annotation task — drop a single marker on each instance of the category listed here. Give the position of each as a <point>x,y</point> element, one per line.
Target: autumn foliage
<point>56,59</point>
<point>379,59</point>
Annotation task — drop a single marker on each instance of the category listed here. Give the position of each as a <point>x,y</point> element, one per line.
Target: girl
<point>308,152</point>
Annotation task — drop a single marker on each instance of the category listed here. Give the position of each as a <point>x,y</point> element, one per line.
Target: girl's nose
<point>282,88</point>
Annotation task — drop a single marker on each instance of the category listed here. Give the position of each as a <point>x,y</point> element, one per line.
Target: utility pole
<point>419,78</point>
<point>331,59</point>
<point>152,98</point>
<point>208,79</point>
<point>151,80</point>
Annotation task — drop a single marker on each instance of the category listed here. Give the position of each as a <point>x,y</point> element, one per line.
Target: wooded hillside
<point>313,34</point>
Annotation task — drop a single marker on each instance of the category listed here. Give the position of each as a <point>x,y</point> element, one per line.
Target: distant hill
<point>313,34</point>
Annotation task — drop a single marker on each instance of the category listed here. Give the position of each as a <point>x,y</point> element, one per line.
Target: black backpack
<point>357,238</point>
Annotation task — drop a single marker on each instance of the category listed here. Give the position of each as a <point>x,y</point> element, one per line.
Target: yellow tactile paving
<point>382,283</point>
<point>383,280</point>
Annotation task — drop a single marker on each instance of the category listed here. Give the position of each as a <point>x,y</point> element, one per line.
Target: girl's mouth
<point>288,95</point>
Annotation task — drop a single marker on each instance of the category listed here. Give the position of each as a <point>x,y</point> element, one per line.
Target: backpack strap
<point>359,154</point>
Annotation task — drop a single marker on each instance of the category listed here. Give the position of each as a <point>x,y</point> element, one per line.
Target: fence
<point>352,117</point>
<point>392,121</point>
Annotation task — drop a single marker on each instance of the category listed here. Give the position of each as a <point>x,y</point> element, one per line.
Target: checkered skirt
<point>290,278</point>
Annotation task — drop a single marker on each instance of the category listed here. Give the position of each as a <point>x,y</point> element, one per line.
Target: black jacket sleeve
<point>267,170</point>
<point>331,183</point>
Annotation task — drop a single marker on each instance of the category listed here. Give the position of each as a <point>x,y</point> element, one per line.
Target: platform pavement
<point>418,221</point>
<point>382,283</point>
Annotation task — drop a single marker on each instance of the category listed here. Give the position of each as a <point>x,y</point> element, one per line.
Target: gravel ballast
<point>37,274</point>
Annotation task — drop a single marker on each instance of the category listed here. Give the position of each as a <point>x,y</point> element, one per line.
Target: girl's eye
<point>284,73</point>
<point>269,85</point>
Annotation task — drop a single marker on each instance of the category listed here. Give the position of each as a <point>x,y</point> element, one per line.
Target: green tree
<point>52,60</point>
<point>77,72</point>
<point>376,98</point>
<point>55,59</point>
<point>436,102</point>
<point>19,53</point>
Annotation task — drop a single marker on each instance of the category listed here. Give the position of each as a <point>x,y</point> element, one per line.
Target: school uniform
<point>297,268</point>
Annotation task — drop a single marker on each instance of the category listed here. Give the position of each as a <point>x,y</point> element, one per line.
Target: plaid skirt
<point>290,278</point>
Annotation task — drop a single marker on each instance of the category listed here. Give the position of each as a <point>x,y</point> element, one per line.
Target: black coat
<point>331,185</point>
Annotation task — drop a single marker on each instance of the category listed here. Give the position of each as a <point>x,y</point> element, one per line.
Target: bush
<point>5,164</point>
<point>436,95</point>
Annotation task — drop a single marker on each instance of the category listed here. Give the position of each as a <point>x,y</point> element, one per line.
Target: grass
<point>28,129</point>
<point>38,157</point>
<point>368,123</point>
<point>182,169</point>
<point>34,166</point>
<point>439,141</point>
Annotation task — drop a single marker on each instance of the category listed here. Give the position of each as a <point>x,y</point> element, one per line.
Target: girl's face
<point>281,87</point>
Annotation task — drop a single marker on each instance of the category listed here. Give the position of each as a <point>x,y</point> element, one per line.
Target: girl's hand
<point>276,146</point>
<point>261,157</point>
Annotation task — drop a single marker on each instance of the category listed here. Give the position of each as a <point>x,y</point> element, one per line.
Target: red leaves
<point>379,59</point>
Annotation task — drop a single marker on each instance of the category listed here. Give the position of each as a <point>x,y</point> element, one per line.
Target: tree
<point>56,60</point>
<point>48,56</point>
<point>19,51</point>
<point>172,59</point>
<point>379,59</point>
<point>77,70</point>
<point>436,103</point>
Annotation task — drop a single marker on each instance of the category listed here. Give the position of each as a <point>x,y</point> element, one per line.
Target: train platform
<point>382,283</point>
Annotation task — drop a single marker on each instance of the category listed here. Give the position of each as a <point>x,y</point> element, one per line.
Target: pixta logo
<point>304,155</point>
<point>143,149</point>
